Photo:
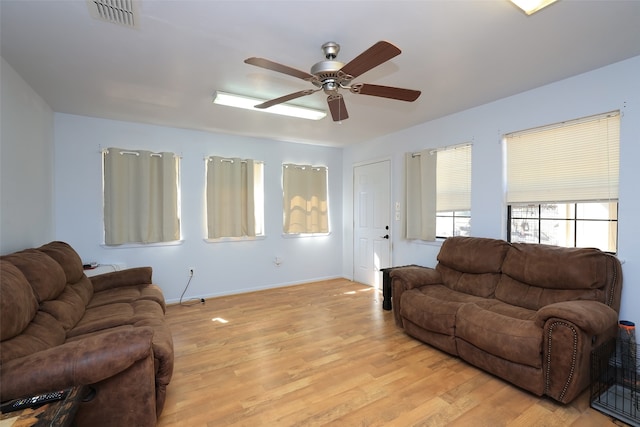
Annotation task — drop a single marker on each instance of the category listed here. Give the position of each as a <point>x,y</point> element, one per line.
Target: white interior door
<point>371,212</point>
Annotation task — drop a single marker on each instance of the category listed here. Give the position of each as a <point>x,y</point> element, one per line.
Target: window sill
<point>302,235</point>
<point>142,245</point>
<point>235,239</point>
<point>438,242</point>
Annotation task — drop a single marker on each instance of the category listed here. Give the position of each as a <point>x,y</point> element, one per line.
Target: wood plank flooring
<point>326,354</point>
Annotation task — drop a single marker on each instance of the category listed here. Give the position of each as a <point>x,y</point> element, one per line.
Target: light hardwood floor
<point>326,353</point>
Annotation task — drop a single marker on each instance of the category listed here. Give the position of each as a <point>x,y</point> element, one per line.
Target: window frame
<point>285,186</point>
<point>576,220</point>
<point>574,164</point>
<point>258,196</point>
<point>178,207</point>
<point>453,215</point>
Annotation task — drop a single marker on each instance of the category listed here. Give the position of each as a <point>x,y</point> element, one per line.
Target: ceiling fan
<point>331,76</point>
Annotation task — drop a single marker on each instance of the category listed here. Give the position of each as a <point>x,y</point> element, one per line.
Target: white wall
<point>220,268</point>
<point>614,87</point>
<point>27,196</point>
<point>26,164</point>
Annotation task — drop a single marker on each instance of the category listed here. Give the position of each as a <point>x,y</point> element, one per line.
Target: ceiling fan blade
<point>386,92</point>
<point>285,98</point>
<point>337,107</point>
<point>377,54</point>
<point>274,66</point>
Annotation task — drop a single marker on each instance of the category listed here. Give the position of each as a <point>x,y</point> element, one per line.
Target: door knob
<point>386,236</point>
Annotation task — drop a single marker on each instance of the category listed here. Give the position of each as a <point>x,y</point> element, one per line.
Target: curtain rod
<point>449,147</point>
<point>286,165</point>
<point>137,153</point>
<point>229,160</point>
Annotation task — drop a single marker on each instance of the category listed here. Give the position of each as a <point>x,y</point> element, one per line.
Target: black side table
<point>386,285</point>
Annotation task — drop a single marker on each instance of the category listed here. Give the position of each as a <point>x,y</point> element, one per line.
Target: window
<point>305,199</point>
<point>140,197</point>
<point>235,198</point>
<point>565,224</point>
<point>562,183</point>
<point>438,199</point>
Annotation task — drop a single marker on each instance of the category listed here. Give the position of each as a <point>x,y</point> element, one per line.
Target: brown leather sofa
<point>528,313</point>
<point>61,329</point>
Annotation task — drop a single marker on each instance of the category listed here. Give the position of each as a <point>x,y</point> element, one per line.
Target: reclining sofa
<point>528,313</point>
<point>60,329</point>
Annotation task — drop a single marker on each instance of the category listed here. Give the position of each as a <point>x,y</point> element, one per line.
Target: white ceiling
<point>459,53</point>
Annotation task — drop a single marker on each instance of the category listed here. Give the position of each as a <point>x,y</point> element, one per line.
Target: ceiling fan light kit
<point>331,76</point>
<point>248,103</point>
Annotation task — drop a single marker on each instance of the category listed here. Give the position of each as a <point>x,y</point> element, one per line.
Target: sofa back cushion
<point>68,259</point>
<point>18,303</point>
<point>535,275</point>
<point>43,273</point>
<point>54,273</point>
<point>472,264</point>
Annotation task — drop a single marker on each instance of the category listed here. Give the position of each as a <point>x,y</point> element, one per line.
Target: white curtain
<point>305,200</point>
<point>140,197</point>
<point>231,189</point>
<point>420,195</point>
<point>437,180</point>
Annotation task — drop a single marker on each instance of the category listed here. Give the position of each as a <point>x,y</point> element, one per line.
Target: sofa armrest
<point>571,330</point>
<point>82,362</point>
<point>593,317</point>
<point>128,277</point>
<point>416,276</point>
<point>405,278</point>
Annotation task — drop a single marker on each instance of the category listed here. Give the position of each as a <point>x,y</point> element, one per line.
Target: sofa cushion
<point>68,259</point>
<point>68,308</point>
<point>43,273</point>
<point>502,330</point>
<point>538,275</point>
<point>434,307</point>
<point>534,298</point>
<point>117,314</point>
<point>42,333</point>
<point>473,254</point>
<point>556,267</point>
<point>17,301</point>
<point>128,294</point>
<point>478,284</point>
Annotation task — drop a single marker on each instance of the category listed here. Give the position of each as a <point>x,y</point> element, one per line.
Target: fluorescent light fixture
<point>231,100</point>
<point>532,6</point>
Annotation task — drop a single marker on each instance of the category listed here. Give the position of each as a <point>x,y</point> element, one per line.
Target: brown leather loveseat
<point>527,313</point>
<point>61,329</point>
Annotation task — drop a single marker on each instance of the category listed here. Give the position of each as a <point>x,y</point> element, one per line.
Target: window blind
<point>453,182</point>
<point>575,161</point>
<point>305,199</point>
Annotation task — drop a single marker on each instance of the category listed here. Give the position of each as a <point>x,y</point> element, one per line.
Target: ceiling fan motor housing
<point>327,72</point>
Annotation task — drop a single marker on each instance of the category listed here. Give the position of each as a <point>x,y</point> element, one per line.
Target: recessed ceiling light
<point>532,6</point>
<point>238,101</point>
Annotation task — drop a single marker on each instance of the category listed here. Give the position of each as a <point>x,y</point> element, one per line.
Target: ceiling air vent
<point>123,12</point>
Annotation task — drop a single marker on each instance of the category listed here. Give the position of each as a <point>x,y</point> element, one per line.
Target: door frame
<point>353,210</point>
